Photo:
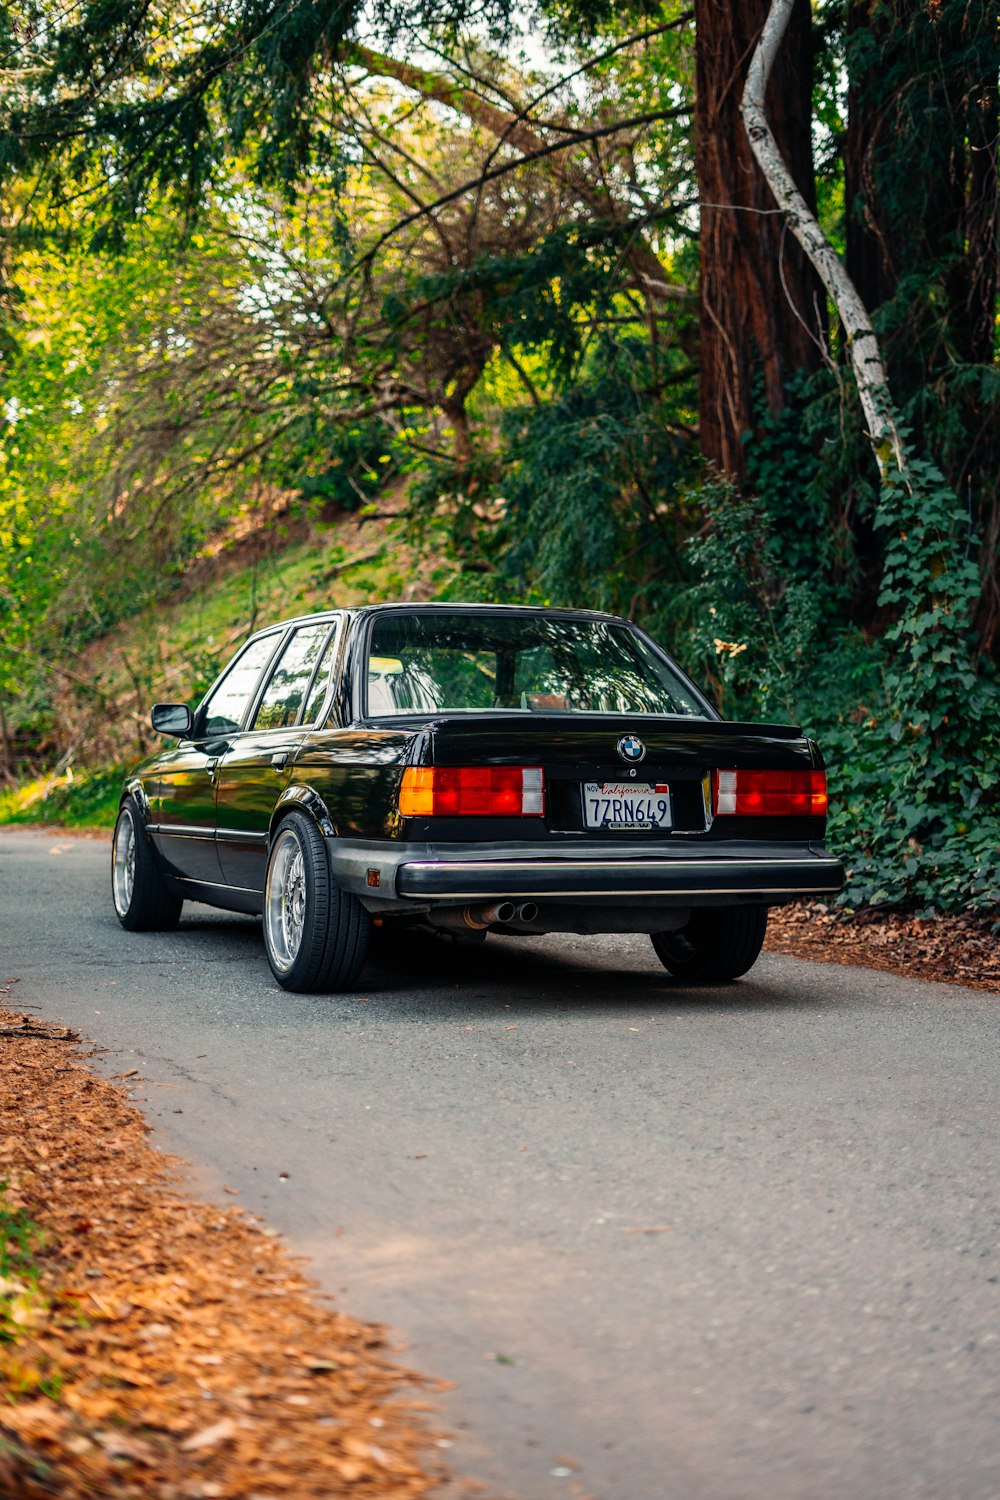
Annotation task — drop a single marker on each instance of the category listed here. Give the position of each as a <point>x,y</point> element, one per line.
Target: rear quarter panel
<point>357,773</point>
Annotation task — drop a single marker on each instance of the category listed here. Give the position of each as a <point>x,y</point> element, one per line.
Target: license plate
<point>626,804</point>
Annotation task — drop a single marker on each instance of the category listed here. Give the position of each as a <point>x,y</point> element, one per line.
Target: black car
<point>478,768</point>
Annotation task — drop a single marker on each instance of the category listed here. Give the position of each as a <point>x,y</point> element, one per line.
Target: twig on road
<point>29,1028</point>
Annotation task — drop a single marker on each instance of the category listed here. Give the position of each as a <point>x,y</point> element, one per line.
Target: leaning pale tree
<point>862,341</point>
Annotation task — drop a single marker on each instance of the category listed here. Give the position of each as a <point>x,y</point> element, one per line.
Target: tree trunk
<point>863,346</point>
<point>457,418</point>
<point>921,186</point>
<point>920,164</point>
<point>762,308</point>
<point>868,237</point>
<point>982,205</point>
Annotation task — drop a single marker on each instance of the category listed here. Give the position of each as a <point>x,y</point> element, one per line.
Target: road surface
<point>733,1245</point>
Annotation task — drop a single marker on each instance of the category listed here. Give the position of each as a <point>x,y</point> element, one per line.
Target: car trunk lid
<point>613,754</point>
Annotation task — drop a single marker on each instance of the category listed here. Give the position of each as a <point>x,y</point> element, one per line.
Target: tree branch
<point>549,149</point>
<point>514,129</point>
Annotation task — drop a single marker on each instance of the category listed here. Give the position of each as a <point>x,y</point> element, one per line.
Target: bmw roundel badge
<point>631,748</point>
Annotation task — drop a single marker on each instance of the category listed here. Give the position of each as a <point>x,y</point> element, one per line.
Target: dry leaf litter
<point>182,1351</point>
<point>953,950</point>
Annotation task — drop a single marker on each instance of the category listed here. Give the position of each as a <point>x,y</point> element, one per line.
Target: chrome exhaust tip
<point>474,918</point>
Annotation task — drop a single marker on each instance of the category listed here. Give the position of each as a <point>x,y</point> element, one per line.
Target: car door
<point>182,813</point>
<point>253,771</point>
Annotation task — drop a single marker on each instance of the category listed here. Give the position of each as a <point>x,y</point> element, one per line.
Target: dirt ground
<point>153,1346</point>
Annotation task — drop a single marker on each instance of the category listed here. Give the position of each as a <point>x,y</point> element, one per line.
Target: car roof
<point>443,605</point>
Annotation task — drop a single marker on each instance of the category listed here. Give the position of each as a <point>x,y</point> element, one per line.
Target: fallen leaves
<point>186,1362</point>
<point>210,1437</point>
<point>953,950</point>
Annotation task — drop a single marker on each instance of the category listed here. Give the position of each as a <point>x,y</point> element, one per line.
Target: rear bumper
<point>408,876</point>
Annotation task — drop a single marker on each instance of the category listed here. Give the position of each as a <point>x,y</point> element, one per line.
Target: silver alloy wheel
<point>123,881</point>
<point>285,899</point>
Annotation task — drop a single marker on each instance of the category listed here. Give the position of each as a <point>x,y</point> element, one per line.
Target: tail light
<point>772,794</point>
<point>472,791</point>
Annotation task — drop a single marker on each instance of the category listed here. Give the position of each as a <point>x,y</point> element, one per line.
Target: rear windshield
<point>465,663</point>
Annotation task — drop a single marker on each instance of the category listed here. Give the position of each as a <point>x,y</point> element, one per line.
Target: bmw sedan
<point>476,769</point>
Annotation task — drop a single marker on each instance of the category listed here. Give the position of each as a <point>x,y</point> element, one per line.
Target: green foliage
<point>336,466</point>
<point>108,452</point>
<point>20,1240</point>
<point>584,500</point>
<point>19,1237</point>
<point>589,18</point>
<point>23,1304</point>
<point>593,496</point>
<point>944,731</point>
<point>88,800</point>
<point>772,567</point>
<point>529,301</point>
<point>755,632</point>
<point>242,80</point>
<point>909,724</point>
<point>251,80</point>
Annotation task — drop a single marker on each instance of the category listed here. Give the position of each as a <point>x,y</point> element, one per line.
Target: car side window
<point>289,680</point>
<point>321,681</point>
<point>223,711</point>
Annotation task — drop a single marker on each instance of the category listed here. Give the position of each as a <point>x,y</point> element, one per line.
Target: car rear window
<point>467,663</point>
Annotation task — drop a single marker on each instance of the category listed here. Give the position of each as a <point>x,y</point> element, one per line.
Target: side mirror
<point>172,718</point>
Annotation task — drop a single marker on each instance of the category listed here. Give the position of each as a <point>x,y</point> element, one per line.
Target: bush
<point>909,724</point>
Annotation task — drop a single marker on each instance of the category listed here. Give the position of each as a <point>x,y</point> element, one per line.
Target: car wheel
<point>143,900</point>
<point>316,935</point>
<point>718,943</point>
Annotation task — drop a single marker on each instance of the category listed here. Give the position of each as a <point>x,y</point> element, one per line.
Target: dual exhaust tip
<point>478,918</point>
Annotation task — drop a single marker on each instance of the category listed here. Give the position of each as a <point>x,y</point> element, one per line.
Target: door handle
<point>210,768</point>
<point>279,760</point>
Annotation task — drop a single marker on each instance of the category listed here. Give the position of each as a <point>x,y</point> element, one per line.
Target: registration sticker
<point>626,804</point>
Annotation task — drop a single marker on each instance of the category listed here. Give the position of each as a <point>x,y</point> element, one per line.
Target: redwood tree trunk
<point>982,207</point>
<point>923,200</point>
<point>868,234</point>
<point>762,308</point>
<point>920,161</point>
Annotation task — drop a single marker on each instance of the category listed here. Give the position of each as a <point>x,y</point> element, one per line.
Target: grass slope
<point>172,651</point>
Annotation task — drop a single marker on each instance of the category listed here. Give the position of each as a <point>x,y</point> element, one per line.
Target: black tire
<point>719,943</point>
<point>143,900</point>
<point>316,935</point>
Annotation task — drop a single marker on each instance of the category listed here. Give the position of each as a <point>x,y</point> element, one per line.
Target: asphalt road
<point>733,1245</point>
